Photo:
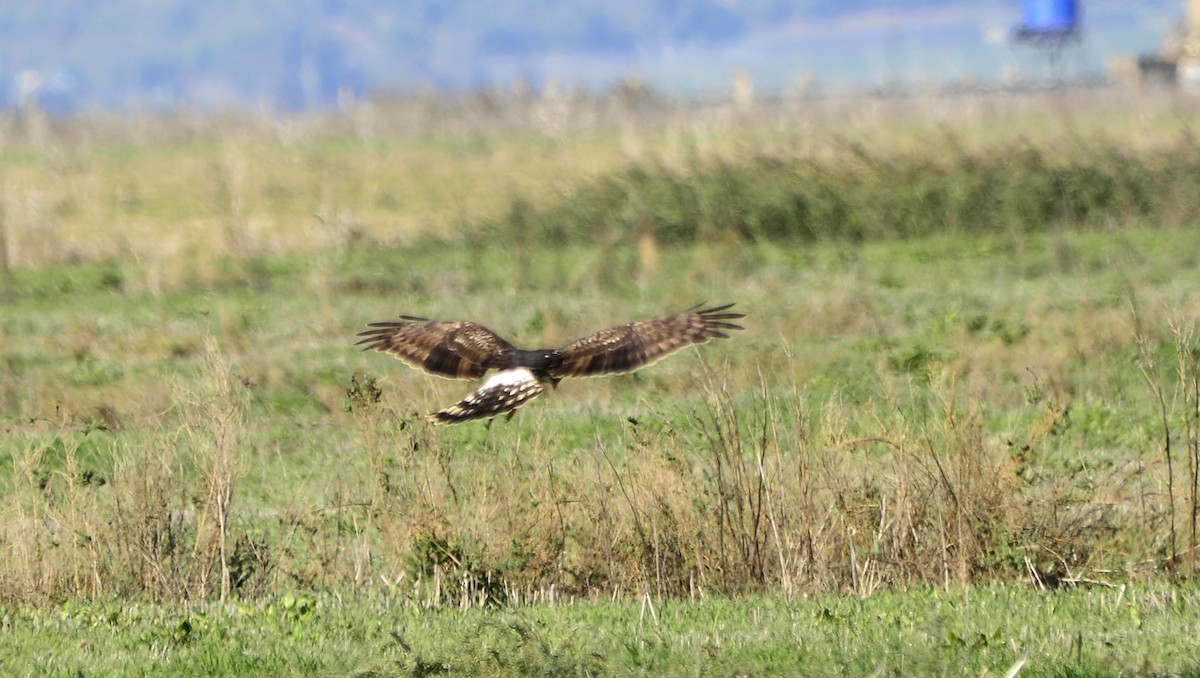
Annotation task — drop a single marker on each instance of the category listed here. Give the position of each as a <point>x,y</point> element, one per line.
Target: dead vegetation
<point>887,425</point>
<point>750,492</point>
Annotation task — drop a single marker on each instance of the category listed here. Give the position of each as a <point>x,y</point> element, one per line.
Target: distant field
<point>966,368</point>
<point>165,189</point>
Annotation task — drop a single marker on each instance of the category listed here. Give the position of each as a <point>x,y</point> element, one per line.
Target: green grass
<point>946,400</point>
<point>1135,629</point>
<point>1006,358</point>
<point>865,193</point>
<point>170,189</point>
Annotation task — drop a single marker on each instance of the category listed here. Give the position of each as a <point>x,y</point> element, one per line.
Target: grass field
<point>965,409</point>
<point>989,630</point>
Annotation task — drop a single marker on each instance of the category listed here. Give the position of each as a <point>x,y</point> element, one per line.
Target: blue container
<point>1049,16</point>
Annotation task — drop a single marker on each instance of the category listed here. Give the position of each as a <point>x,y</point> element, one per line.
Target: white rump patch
<point>509,377</point>
<point>504,392</point>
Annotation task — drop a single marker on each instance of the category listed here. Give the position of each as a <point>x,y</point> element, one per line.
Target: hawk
<point>462,349</point>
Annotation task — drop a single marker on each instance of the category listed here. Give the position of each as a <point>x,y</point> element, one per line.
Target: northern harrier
<point>465,350</point>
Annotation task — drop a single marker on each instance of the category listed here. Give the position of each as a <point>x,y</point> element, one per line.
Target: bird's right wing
<point>459,348</point>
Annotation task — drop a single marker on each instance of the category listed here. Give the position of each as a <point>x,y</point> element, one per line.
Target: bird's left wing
<point>634,345</point>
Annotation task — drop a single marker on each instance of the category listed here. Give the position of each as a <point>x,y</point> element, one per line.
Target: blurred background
<point>68,56</point>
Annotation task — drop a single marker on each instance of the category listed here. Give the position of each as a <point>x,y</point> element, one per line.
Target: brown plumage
<point>466,350</point>
<point>460,349</point>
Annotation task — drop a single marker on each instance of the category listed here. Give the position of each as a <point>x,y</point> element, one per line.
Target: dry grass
<point>154,521</point>
<point>395,171</point>
<point>1178,398</point>
<point>752,493</point>
<point>951,450</point>
<point>184,425</point>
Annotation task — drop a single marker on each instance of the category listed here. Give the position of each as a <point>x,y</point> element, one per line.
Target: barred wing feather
<point>628,347</point>
<point>460,349</point>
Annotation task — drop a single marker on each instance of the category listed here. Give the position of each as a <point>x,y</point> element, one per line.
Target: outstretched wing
<point>459,348</point>
<point>628,347</point>
<point>504,392</point>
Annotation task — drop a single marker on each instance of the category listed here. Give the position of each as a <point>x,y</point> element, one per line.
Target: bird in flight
<point>462,349</point>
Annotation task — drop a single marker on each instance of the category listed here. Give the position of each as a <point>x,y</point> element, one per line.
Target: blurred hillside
<point>295,54</point>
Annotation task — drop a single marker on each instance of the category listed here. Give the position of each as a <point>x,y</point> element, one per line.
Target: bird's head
<point>549,360</point>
